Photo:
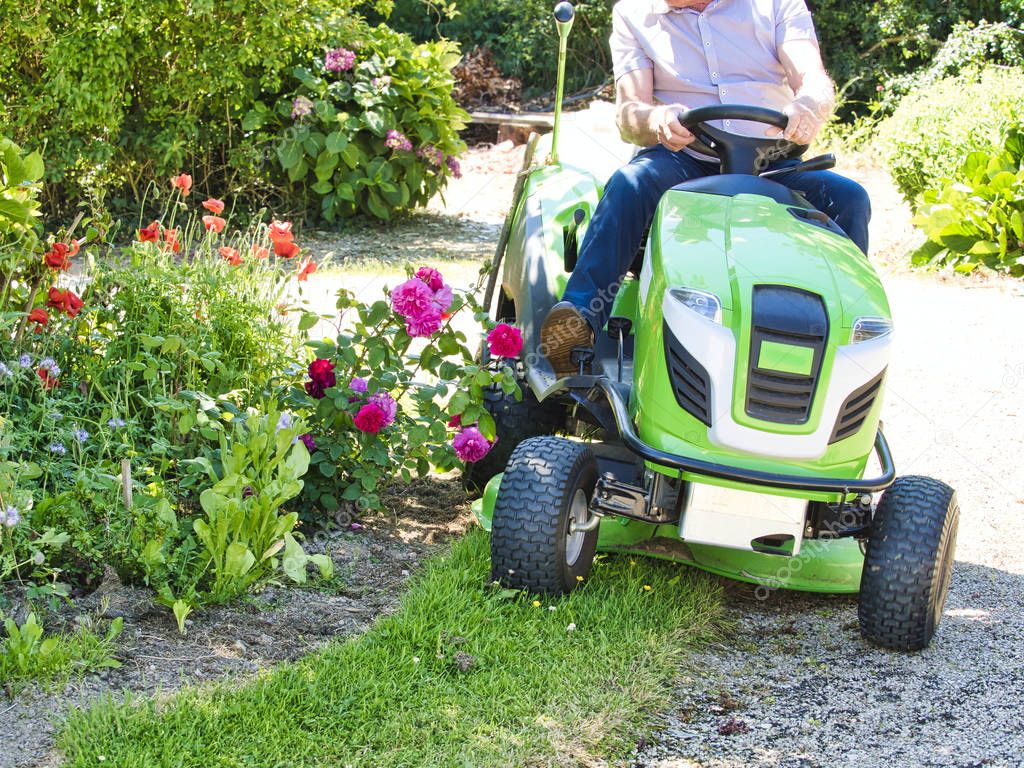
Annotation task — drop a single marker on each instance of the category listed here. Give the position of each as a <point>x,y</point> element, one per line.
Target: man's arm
<point>640,121</point>
<point>815,93</point>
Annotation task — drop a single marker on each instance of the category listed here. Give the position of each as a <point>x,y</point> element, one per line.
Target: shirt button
<point>728,122</point>
<point>707,44</point>
<point>714,74</point>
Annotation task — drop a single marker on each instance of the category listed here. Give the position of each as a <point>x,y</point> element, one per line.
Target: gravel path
<point>795,685</point>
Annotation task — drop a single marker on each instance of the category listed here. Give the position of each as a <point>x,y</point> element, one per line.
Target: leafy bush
<point>122,94</point>
<point>20,175</point>
<point>934,129</point>
<point>977,216</point>
<point>369,131</point>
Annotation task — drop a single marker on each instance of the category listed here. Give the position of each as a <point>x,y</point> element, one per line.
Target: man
<point>674,54</point>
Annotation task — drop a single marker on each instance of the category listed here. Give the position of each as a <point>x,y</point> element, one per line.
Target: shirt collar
<point>661,6</point>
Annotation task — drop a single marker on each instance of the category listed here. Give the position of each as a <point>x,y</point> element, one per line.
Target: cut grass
<point>463,674</point>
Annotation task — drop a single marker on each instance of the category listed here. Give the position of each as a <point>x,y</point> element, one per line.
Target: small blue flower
<point>58,448</point>
<point>25,361</point>
<point>284,422</point>
<point>115,423</point>
<point>5,371</point>
<point>10,517</point>
<point>80,435</point>
<point>55,415</point>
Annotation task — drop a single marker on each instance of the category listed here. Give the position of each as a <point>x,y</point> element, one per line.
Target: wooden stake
<point>126,483</point>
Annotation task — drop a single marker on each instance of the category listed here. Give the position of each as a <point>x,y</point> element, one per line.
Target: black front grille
<point>792,317</point>
<point>856,409</point>
<point>688,377</point>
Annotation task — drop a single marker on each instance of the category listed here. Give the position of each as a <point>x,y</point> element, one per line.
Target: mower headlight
<point>703,303</point>
<point>867,328</point>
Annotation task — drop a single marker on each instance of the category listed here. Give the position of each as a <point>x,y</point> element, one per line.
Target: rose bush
<point>397,391</point>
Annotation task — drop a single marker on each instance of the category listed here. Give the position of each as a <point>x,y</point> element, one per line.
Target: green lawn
<point>536,691</point>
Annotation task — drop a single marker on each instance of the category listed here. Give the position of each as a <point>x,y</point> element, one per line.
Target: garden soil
<point>793,685</point>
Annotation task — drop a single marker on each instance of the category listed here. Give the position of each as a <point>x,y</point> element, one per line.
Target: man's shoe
<point>564,328</point>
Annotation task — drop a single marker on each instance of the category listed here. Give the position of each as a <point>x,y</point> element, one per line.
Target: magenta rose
<point>470,444</point>
<point>426,324</point>
<point>412,298</point>
<point>505,341</point>
<point>371,418</point>
<point>431,277</point>
<point>387,404</point>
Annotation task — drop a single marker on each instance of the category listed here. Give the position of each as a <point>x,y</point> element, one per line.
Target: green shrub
<point>371,131</point>
<point>521,33</point>
<point>977,216</point>
<point>931,133</point>
<point>132,91</point>
<point>28,654</point>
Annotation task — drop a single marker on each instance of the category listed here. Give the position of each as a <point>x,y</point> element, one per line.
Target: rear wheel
<point>908,563</point>
<point>539,536</point>
<point>514,421</point>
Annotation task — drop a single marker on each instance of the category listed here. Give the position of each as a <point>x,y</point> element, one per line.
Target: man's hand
<point>805,120</point>
<point>665,125</point>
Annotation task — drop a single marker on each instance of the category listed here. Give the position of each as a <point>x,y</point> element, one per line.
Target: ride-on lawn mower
<point>727,413</point>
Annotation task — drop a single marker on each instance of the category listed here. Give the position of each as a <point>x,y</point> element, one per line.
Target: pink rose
<point>357,384</point>
<point>425,324</point>
<point>412,298</point>
<point>431,277</point>
<point>371,418</point>
<point>470,444</point>
<point>505,341</point>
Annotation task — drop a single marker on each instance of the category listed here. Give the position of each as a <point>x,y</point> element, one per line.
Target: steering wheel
<point>739,154</point>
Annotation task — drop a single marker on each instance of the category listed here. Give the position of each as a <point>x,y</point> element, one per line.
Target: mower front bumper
<point>801,483</point>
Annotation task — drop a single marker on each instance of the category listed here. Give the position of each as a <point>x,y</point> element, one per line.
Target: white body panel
<point>726,517</point>
<point>714,347</point>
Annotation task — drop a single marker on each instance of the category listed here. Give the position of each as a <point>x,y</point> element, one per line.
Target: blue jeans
<point>632,194</point>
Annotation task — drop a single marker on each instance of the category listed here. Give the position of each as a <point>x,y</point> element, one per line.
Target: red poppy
<point>286,249</point>
<point>214,206</point>
<point>260,252</point>
<point>280,232</point>
<point>230,255</point>
<point>40,317</point>
<point>307,268</point>
<point>214,223</point>
<point>150,234</point>
<point>73,245</point>
<point>47,379</point>
<point>171,241</point>
<point>58,256</point>
<point>183,182</point>
<point>65,301</point>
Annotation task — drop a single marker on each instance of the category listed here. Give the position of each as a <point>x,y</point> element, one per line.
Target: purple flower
<point>339,60</point>
<point>10,517</point>
<point>284,422</point>
<point>470,444</point>
<point>387,404</point>
<point>25,361</point>
<point>308,441</point>
<point>5,371</point>
<point>115,423</point>
<point>301,107</point>
<point>453,167</point>
<point>248,492</point>
<point>58,449</point>
<point>80,435</point>
<point>357,384</point>
<point>431,154</point>
<point>397,141</point>
<point>49,364</point>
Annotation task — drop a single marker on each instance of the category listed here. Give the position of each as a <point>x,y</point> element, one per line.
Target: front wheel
<point>543,536</point>
<point>908,563</point>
